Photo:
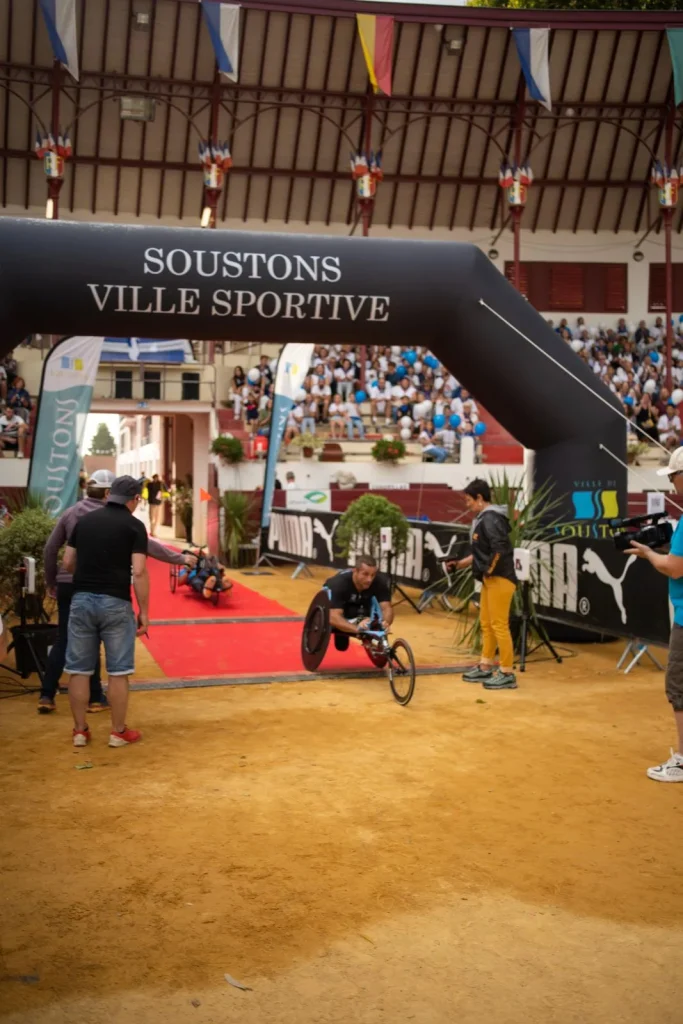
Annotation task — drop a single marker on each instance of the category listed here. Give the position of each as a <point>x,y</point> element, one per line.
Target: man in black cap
<point>105,547</point>
<point>60,585</point>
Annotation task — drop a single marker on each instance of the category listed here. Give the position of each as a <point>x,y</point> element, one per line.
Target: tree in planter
<point>532,522</point>
<point>26,535</point>
<point>237,509</point>
<point>359,527</point>
<point>228,449</point>
<point>103,442</point>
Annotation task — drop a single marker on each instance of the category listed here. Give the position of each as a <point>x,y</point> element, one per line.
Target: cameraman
<point>671,565</point>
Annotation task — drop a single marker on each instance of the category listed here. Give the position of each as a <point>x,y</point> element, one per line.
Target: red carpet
<point>186,604</point>
<point>247,649</point>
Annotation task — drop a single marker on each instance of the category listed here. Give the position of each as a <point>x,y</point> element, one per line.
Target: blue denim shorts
<point>99,617</point>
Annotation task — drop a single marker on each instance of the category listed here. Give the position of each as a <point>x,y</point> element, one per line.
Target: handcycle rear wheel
<point>173,577</point>
<point>401,669</point>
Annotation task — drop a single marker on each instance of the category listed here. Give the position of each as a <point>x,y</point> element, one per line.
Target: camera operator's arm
<point>669,565</point>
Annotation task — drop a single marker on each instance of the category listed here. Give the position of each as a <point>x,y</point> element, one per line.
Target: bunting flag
<point>532,50</point>
<point>204,495</point>
<point>60,19</point>
<point>376,32</point>
<point>223,23</point>
<point>675,37</point>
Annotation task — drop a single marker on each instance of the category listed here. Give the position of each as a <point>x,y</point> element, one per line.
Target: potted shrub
<point>237,508</point>
<point>386,450</point>
<point>228,449</point>
<point>359,527</point>
<point>308,444</point>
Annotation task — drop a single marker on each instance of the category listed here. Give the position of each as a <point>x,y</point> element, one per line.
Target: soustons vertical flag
<point>532,50</point>
<point>60,19</point>
<point>223,23</point>
<point>376,33</point>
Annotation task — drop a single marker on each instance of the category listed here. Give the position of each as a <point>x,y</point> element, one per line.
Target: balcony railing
<point>153,384</point>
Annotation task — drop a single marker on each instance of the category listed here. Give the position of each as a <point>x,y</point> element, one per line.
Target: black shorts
<point>674,669</point>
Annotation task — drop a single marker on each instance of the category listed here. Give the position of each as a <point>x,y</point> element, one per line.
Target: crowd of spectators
<point>15,409</point>
<point>630,360</point>
<point>403,391</point>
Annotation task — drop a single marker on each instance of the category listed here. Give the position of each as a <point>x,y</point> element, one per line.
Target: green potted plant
<point>386,450</point>
<point>228,449</point>
<point>25,534</point>
<point>308,444</point>
<point>359,527</point>
<point>237,509</point>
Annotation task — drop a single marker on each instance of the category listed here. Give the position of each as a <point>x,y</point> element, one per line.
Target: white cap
<point>675,464</point>
<point>101,478</point>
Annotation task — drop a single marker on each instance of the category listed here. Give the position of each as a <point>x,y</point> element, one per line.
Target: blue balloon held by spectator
<point>480,429</point>
<point>411,357</point>
<point>432,362</point>
<point>654,357</point>
<point>439,421</point>
<point>360,396</point>
<point>628,400</point>
<point>400,371</point>
<point>455,421</point>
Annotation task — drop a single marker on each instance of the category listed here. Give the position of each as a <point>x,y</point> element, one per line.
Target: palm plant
<point>533,521</point>
<point>237,508</point>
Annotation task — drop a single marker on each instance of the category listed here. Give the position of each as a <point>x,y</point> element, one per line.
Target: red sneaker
<point>122,739</point>
<point>81,737</point>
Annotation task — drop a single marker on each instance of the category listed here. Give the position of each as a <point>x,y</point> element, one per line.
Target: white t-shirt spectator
<point>321,390</point>
<point>352,410</point>
<point>666,426</point>
<point>381,393</point>
<point>10,423</point>
<point>447,438</point>
<point>383,364</point>
<point>337,409</point>
<point>401,394</point>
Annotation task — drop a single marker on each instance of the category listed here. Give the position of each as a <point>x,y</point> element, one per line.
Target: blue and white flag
<point>223,23</point>
<point>532,50</point>
<point>60,18</point>
<point>292,370</point>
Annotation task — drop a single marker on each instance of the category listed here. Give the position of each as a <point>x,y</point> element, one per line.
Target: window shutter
<point>566,286</point>
<point>657,288</point>
<point>523,276</point>
<point>615,287</point>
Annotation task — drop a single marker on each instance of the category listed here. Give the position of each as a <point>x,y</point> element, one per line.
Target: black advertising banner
<point>580,580</point>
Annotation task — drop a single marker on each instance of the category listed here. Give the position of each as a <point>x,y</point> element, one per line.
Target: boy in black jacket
<point>492,561</point>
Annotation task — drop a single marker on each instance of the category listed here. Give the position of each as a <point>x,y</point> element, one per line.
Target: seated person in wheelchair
<point>207,577</point>
<point>353,593</point>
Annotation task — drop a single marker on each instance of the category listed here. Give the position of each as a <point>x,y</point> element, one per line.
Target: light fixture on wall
<point>493,254</point>
<point>50,209</point>
<point>452,45</point>
<point>638,256</point>
<point>206,217</point>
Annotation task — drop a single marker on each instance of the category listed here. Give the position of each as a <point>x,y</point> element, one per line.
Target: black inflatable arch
<point>155,282</point>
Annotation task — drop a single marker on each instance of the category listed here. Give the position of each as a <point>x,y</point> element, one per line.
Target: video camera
<point>653,530</point>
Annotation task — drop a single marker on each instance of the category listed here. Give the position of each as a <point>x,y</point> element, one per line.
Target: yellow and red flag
<point>376,32</point>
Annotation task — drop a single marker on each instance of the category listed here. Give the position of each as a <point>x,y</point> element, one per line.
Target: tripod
<point>397,587</point>
<point>529,622</point>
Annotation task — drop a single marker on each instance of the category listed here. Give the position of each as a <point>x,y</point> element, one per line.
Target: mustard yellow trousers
<point>494,614</point>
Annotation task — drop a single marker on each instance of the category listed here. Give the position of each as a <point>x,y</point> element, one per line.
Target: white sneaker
<point>670,771</point>
<point>20,455</point>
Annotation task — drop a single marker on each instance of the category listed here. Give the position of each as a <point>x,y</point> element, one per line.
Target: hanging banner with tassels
<point>223,23</point>
<point>376,33</point>
<point>60,19</point>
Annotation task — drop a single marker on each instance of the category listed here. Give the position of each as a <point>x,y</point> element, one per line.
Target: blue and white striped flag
<point>60,19</point>
<point>223,23</point>
<point>532,50</point>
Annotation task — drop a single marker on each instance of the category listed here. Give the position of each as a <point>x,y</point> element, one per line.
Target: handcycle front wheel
<point>401,669</point>
<point>173,577</point>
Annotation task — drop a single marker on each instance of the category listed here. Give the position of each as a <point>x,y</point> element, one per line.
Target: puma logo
<point>327,537</point>
<point>432,544</point>
<point>593,563</point>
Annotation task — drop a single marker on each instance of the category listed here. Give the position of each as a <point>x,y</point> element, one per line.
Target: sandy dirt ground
<point>472,858</point>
